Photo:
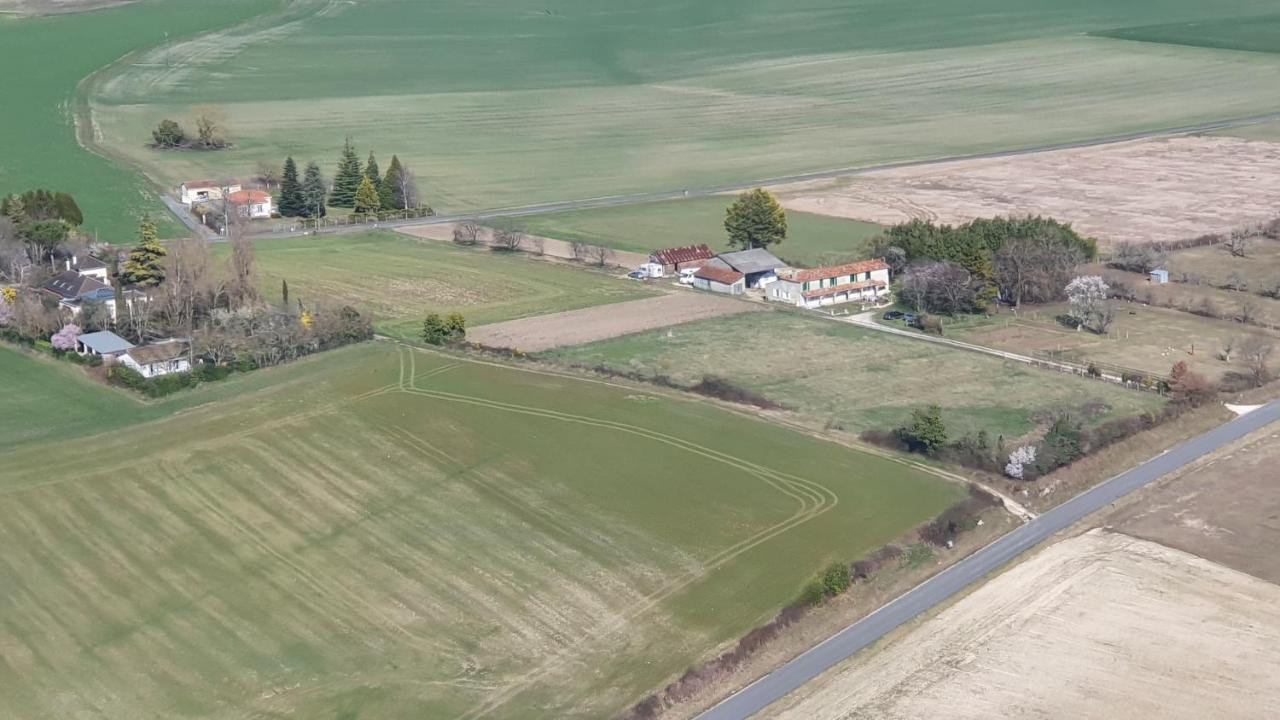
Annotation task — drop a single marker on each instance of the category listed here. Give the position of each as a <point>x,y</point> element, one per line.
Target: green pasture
<point>519,102</point>
<point>401,279</point>
<point>811,238</point>
<point>44,60</point>
<point>386,533</point>
<point>842,376</point>
<point>1259,33</point>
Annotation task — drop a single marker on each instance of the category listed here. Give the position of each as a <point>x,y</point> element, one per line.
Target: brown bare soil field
<point>1227,511</point>
<point>1101,625</point>
<point>1158,190</point>
<point>576,327</point>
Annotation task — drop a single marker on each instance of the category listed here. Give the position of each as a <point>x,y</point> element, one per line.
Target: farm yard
<point>391,533</point>
<point>841,376</point>
<point>1148,191</point>
<point>400,279</point>
<point>1145,339</point>
<point>613,102</point>
<point>1127,629</point>
<point>811,239</point>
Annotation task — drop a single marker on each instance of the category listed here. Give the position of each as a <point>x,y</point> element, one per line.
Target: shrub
<point>836,579</point>
<point>925,433</point>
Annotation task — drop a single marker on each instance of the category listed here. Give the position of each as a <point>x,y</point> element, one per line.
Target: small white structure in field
<point>1159,276</point>
<point>163,358</point>
<point>866,281</point>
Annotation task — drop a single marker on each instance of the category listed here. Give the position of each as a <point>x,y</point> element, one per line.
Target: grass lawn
<point>386,533</point>
<point>1260,268</point>
<point>604,98</point>
<point>1147,339</point>
<point>46,57</point>
<point>811,239</point>
<point>858,379</point>
<point>401,279</point>
<point>1260,33</point>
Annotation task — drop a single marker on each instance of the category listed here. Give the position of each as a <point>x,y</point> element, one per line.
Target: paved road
<point>640,198</point>
<point>944,585</point>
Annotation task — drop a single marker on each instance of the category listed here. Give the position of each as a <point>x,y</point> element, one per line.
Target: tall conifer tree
<point>144,266</point>
<point>347,181</point>
<point>291,202</point>
<point>314,192</point>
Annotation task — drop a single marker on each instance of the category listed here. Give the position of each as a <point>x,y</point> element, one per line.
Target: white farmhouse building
<point>163,358</point>
<point>721,280</point>
<point>866,281</point>
<point>198,191</point>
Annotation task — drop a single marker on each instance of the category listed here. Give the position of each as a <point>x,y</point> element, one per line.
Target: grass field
<point>385,533</point>
<point>498,104</point>
<point>1259,33</point>
<point>858,379</point>
<point>640,228</point>
<point>1146,339</point>
<point>38,124</point>
<point>1260,268</point>
<point>400,279</point>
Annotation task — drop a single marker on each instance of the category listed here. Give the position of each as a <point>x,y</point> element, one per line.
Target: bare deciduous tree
<point>1238,242</point>
<point>507,239</point>
<point>938,287</point>
<point>579,251</point>
<point>537,244</point>
<point>267,174</point>
<point>211,127</point>
<point>1256,351</point>
<point>1228,348</point>
<point>598,255</point>
<point>1035,268</point>
<point>242,285</point>
<point>466,232</point>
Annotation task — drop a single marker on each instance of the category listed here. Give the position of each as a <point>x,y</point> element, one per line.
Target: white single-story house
<point>252,204</point>
<point>720,280</point>
<point>673,260</point>
<point>195,191</point>
<point>104,344</point>
<point>863,282</point>
<point>162,358</point>
<point>757,265</point>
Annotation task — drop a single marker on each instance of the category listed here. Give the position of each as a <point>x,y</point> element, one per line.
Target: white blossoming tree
<point>1019,460</point>
<point>65,339</point>
<point>1090,303</point>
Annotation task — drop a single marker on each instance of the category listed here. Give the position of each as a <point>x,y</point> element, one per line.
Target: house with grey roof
<point>758,266</point>
<point>104,344</point>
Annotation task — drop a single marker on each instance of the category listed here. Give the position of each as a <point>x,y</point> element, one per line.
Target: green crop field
<point>400,279</point>
<point>510,103</point>
<point>45,59</point>
<point>386,533</point>
<point>840,375</point>
<point>810,238</point>
<point>1257,34</point>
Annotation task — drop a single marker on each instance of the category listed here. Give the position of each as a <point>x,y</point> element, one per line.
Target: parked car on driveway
<point>638,275</point>
<point>894,315</point>
<point>686,275</point>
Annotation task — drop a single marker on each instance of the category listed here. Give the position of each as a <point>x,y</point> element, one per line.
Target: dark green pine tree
<point>291,202</point>
<point>347,181</point>
<point>145,264</point>
<point>372,172</point>
<point>391,181</point>
<point>314,192</point>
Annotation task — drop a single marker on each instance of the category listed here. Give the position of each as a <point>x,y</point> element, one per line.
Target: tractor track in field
<point>687,193</point>
<point>813,500</point>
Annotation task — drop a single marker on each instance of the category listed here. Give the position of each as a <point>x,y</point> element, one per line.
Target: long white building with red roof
<point>862,282</point>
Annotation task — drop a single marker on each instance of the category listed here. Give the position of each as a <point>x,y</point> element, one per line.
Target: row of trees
<point>363,188</point>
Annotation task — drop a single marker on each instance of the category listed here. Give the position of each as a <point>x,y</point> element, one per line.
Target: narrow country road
<point>641,198</point>
<point>944,585</point>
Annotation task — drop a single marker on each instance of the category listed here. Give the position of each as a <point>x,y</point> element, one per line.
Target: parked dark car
<point>894,315</point>
<point>911,319</point>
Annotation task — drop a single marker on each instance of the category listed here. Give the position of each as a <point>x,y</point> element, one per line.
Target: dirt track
<point>576,327</point>
<point>1098,626</point>
<point>1154,190</point>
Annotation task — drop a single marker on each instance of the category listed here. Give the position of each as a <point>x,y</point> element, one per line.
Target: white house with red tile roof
<point>253,204</point>
<point>198,191</point>
<point>863,282</point>
<point>674,260</point>
<point>721,280</point>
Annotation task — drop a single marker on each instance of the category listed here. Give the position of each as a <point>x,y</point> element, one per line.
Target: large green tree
<point>347,181</point>
<point>387,189</point>
<point>291,202</point>
<point>42,204</point>
<point>314,192</point>
<point>366,198</point>
<point>145,266</point>
<point>755,220</point>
